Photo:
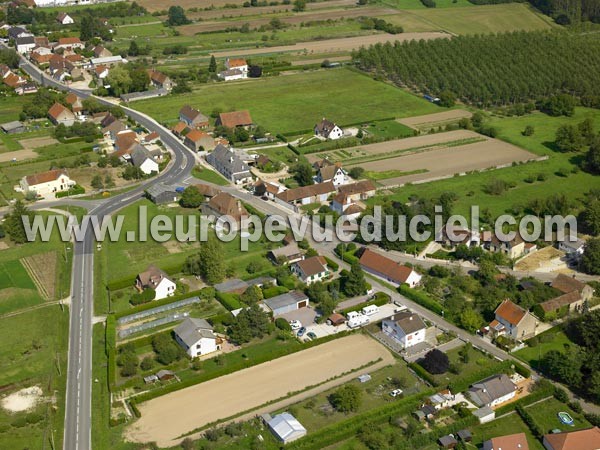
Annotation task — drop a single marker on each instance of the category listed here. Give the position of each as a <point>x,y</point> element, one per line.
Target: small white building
<point>197,338</point>
<point>46,184</point>
<point>154,278</point>
<point>142,159</point>
<point>333,173</point>
<point>311,270</point>
<point>25,44</point>
<point>285,427</point>
<point>388,269</point>
<point>406,328</point>
<point>493,391</point>
<point>573,248</point>
<point>64,19</point>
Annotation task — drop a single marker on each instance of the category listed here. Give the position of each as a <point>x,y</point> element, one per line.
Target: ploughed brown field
<point>431,120</point>
<point>166,418</point>
<point>333,45</point>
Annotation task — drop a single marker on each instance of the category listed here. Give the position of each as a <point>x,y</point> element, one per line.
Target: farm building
<point>360,190</point>
<point>388,269</point>
<point>285,427</point>
<point>192,117</point>
<point>154,278</point>
<point>196,337</point>
<point>406,328</point>
<point>13,127</point>
<point>161,194</point>
<point>284,303</point>
<point>199,140</point>
<point>60,114</point>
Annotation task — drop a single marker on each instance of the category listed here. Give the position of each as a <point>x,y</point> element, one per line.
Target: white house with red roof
<point>388,269</point>
<point>513,321</point>
<point>46,184</point>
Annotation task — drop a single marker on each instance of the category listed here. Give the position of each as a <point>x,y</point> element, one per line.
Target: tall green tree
<point>176,16</point>
<point>212,66</point>
<point>590,260</point>
<point>303,173</point>
<point>354,282</point>
<point>191,197</point>
<point>208,263</point>
<point>13,223</point>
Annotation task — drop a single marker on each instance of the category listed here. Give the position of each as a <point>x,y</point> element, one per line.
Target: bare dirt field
<point>417,143</point>
<point>543,259</point>
<point>445,162</point>
<point>160,5</point>
<point>23,400</point>
<point>262,10</point>
<point>18,155</point>
<point>34,143</point>
<point>434,120</point>
<point>84,176</point>
<point>203,27</point>
<point>333,45</point>
<point>167,417</point>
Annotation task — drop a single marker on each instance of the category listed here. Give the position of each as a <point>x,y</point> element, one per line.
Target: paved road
<point>77,433</point>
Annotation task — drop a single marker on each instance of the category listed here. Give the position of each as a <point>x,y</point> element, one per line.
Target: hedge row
<point>75,190</point>
<point>294,149</point>
<point>332,264</point>
<point>380,300</point>
<point>228,300</point>
<point>110,344</point>
<point>537,431</point>
<point>274,291</point>
<point>201,378</point>
<point>422,373</point>
<point>345,429</point>
<point>421,298</point>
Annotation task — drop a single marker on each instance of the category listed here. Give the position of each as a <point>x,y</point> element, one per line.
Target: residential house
<point>513,321</point>
<point>232,75</point>
<point>75,103</point>
<point>40,56</point>
<point>180,129</point>
<point>125,141</point>
<point>345,207</point>
<point>268,189</point>
<point>285,427</point>
<point>588,439</point>
<point>61,66</point>
<point>192,117</point>
<point>361,190</point>
<point>16,32</point>
<point>61,114</point>
<point>64,19</point>
<point>406,328</point>
<point>288,254</point>
<point>441,399</point>
<point>101,72</point>
<point>113,129</point>
<point>199,141</point>
<point>160,80</point>
<point>151,138</point>
<point>573,248</point>
<point>574,294</point>
<point>14,81</point>
<point>511,442</point>
<point>69,43</point>
<point>388,269</point>
<point>235,119</point>
<point>224,204</point>
<point>156,279</point>
<point>328,130</point>
<point>161,194</point>
<point>46,184</point>
<point>311,270</point>
<point>304,195</point>
<point>42,41</point>
<point>27,88</point>
<point>101,52</point>
<point>492,391</point>
<point>334,173</point>
<point>24,44</point>
<point>75,59</point>
<point>285,303</point>
<point>513,248</point>
<point>229,164</point>
<point>237,64</point>
<point>451,236</point>
<point>143,160</point>
<point>197,338</point>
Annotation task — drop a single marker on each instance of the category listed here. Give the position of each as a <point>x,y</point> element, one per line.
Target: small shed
<point>150,379</point>
<point>336,319</point>
<point>485,414</point>
<point>465,435</point>
<point>161,194</point>
<point>164,375</point>
<point>13,127</point>
<point>448,441</point>
<point>364,378</point>
<point>284,303</point>
<point>285,427</point>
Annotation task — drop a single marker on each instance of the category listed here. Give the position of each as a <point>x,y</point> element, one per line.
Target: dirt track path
<point>166,418</point>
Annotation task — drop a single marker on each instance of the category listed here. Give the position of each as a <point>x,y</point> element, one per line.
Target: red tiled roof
<point>510,312</point>
<point>236,62</point>
<point>69,41</point>
<point>235,119</point>
<point>57,109</point>
<point>588,439</point>
<point>196,135</point>
<point>385,266</point>
<point>45,177</point>
<point>511,442</point>
<point>313,265</point>
<point>566,284</point>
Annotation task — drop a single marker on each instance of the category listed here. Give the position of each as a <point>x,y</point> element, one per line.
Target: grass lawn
<point>545,414</point>
<point>33,350</point>
<point>209,175</point>
<point>315,413</point>
<point>470,189</point>
<point>390,129</point>
<point>282,109</point>
<point>553,339</point>
<point>10,108</point>
<point>472,19</point>
<point>477,361</point>
<point>510,424</point>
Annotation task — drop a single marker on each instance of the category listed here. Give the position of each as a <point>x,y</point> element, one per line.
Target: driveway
<point>306,316</point>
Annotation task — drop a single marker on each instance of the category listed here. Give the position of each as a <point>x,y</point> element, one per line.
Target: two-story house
<point>513,321</point>
<point>197,338</point>
<point>311,270</point>
<point>406,328</point>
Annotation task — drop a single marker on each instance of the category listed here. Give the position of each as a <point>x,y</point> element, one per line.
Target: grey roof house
<point>492,391</point>
<point>229,164</point>
<point>196,337</point>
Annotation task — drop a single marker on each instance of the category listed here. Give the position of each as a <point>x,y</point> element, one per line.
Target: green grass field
<point>33,353</point>
<point>210,176</point>
<point>552,339</point>
<point>470,189</point>
<point>471,19</point>
<point>10,108</point>
<point>275,105</point>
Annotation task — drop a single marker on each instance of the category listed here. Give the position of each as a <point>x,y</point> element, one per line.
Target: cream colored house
<point>47,184</point>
